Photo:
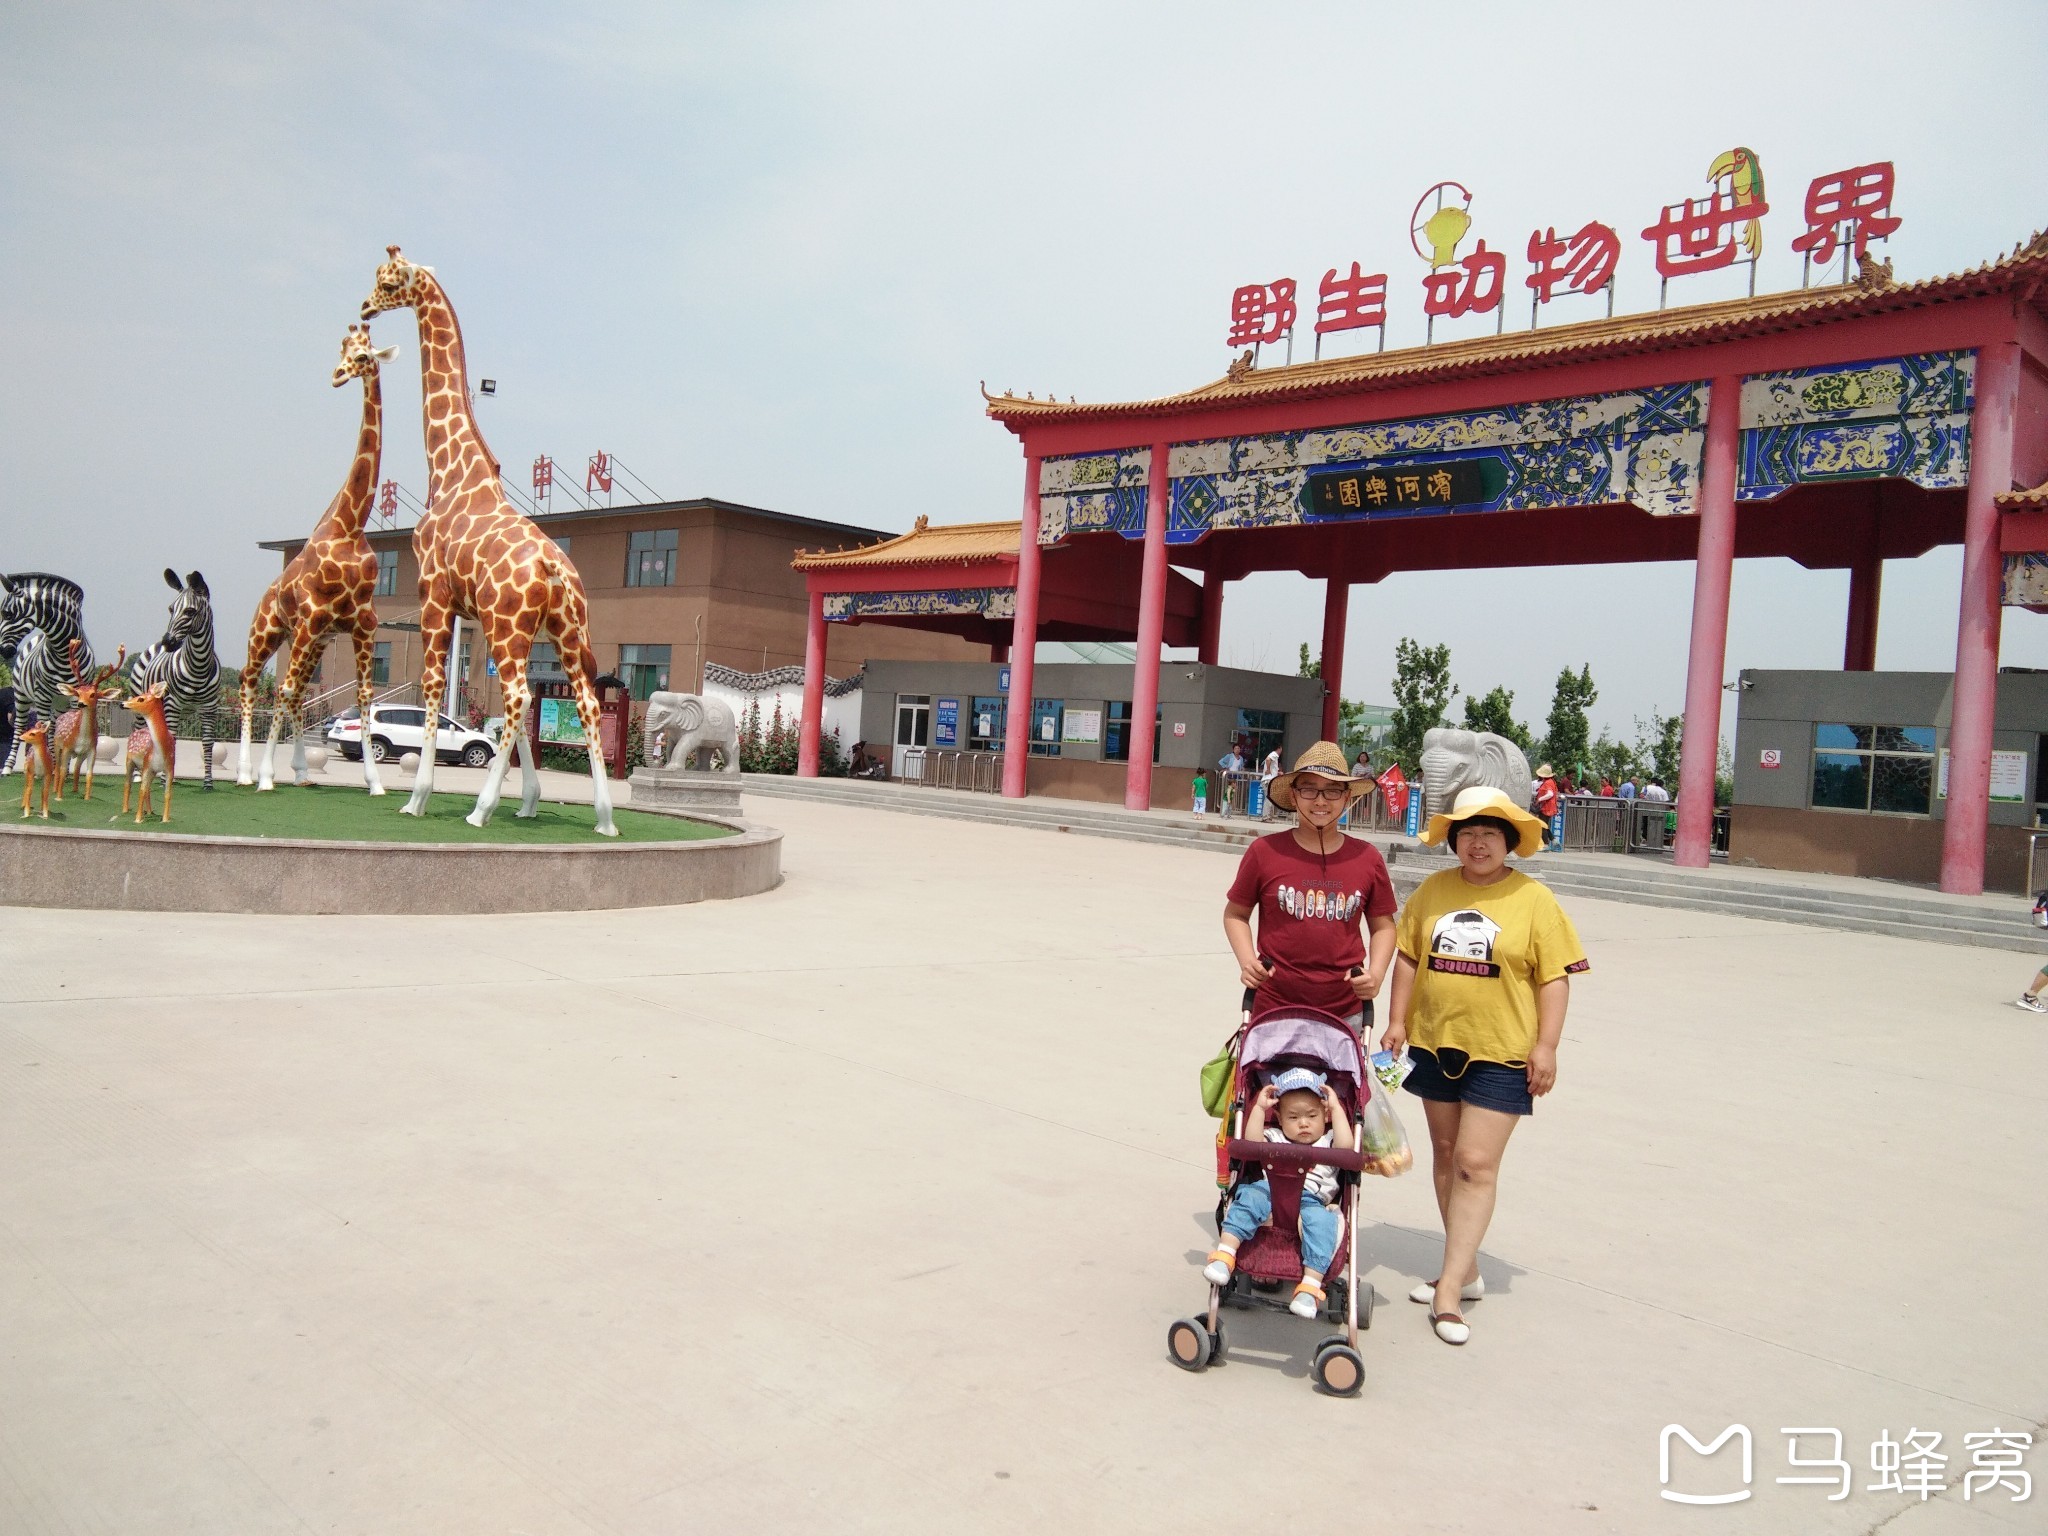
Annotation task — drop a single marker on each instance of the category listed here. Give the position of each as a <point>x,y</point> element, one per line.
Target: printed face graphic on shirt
<point>1461,944</point>
<point>1318,905</point>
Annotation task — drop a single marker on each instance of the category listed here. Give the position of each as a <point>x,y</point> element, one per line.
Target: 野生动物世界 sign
<point>1405,487</point>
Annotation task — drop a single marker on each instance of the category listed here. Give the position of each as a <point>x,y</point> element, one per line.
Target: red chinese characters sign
<point>1844,211</point>
<point>1849,208</point>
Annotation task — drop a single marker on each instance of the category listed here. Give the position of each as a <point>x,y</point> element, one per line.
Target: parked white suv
<point>396,729</point>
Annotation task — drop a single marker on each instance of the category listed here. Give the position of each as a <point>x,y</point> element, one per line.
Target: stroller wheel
<point>1364,1305</point>
<point>1188,1344</point>
<point>1339,1370</point>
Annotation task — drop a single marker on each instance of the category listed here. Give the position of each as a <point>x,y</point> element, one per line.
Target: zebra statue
<point>40,615</point>
<point>184,662</point>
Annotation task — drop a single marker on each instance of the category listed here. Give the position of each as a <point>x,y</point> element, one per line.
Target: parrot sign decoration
<point>1844,210</point>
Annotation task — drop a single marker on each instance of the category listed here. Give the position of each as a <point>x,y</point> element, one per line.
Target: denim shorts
<point>1483,1084</point>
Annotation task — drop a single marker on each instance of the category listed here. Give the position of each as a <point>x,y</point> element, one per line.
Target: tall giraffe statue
<point>328,588</point>
<point>483,560</point>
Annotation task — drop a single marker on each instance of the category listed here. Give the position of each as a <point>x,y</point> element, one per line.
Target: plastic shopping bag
<point>1381,1137</point>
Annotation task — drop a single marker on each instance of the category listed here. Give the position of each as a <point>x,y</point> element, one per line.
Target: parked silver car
<point>396,729</point>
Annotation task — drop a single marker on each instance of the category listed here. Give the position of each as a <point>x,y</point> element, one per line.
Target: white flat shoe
<point>1425,1294</point>
<point>1450,1327</point>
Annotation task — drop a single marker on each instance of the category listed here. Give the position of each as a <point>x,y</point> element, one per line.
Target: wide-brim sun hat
<point>1482,801</point>
<point>1543,771</point>
<point>1324,760</point>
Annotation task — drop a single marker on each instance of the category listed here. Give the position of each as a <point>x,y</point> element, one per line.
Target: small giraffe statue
<point>37,766</point>
<point>150,750</point>
<point>329,587</point>
<point>480,558</point>
<point>77,735</point>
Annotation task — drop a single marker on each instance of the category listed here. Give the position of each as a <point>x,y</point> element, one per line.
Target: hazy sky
<point>764,252</point>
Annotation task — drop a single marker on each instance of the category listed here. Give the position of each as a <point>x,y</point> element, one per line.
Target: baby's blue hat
<point>1299,1080</point>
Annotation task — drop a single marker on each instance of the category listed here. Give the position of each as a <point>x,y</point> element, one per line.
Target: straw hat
<point>1482,801</point>
<point>1324,760</point>
<point>1543,771</point>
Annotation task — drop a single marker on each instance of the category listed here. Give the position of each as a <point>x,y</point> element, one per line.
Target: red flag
<point>1394,785</point>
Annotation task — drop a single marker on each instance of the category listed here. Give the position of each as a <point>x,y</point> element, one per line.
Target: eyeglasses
<point>1322,792</point>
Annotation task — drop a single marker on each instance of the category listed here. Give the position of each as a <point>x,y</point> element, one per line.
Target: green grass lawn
<point>344,813</point>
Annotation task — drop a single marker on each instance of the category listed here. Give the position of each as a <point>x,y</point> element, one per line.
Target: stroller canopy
<point>1302,1035</point>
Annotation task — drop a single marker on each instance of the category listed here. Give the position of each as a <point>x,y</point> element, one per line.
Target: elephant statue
<point>1453,760</point>
<point>680,725</point>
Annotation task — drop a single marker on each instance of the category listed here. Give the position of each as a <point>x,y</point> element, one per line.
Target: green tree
<point>1657,747</point>
<point>1422,690</point>
<point>1567,733</point>
<point>1495,712</point>
<point>1310,668</point>
<point>1611,760</point>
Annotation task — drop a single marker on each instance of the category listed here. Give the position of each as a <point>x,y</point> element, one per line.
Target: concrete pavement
<point>864,1205</point>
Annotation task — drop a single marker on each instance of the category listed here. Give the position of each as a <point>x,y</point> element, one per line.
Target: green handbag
<point>1218,1073</point>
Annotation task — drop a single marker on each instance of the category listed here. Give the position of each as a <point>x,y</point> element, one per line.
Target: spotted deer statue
<point>37,766</point>
<point>329,587</point>
<point>76,738</point>
<point>481,559</point>
<point>150,751</point>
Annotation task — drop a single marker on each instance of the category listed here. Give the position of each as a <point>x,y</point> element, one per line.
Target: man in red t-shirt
<point>1312,887</point>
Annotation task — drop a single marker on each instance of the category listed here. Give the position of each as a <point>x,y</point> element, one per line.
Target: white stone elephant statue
<point>1453,759</point>
<point>680,725</point>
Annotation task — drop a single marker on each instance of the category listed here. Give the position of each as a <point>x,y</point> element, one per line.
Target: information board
<point>559,722</point>
<point>1082,725</point>
<point>2008,778</point>
<point>946,722</point>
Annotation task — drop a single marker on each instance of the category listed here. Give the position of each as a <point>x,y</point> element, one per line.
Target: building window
<point>387,573</point>
<point>1048,716</point>
<point>651,558</point>
<point>1259,731</point>
<point>643,668</point>
<point>545,662</point>
<point>562,543</point>
<point>380,663</point>
<point>987,722</point>
<point>1874,768</point>
<point>1116,732</point>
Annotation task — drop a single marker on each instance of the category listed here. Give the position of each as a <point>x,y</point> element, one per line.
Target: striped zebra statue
<point>184,661</point>
<point>40,617</point>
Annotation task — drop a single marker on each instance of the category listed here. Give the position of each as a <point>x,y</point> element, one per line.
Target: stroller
<point>1269,1262</point>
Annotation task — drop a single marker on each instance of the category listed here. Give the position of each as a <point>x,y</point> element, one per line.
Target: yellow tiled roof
<point>2035,500</point>
<point>923,545</point>
<point>1692,325</point>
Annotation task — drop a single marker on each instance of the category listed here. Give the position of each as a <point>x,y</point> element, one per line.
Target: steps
<point>1859,906</point>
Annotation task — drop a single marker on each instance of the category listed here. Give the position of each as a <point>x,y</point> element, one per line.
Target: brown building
<point>673,585</point>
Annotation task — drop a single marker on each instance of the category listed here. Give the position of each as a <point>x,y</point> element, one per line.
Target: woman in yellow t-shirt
<point>1482,973</point>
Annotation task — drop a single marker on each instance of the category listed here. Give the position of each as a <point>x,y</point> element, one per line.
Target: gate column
<point>1023,643</point>
<point>1976,690</point>
<point>1336,611</point>
<point>1151,631</point>
<point>811,727</point>
<point>1713,575</point>
<point>1212,619</point>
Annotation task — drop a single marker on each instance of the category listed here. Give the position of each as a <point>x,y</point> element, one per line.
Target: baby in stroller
<point>1302,1109</point>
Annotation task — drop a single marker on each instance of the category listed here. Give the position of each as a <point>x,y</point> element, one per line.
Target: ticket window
<point>913,727</point>
<point>986,722</point>
<point>1048,719</point>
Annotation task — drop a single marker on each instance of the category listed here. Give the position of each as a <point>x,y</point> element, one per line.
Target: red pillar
<point>1023,642</point>
<point>813,723</point>
<point>1212,619</point>
<point>1151,630</point>
<point>1976,691</point>
<point>1336,609</point>
<point>999,654</point>
<point>1859,645</point>
<point>1713,575</point>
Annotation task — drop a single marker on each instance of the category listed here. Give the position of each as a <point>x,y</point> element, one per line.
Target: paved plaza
<point>864,1206</point>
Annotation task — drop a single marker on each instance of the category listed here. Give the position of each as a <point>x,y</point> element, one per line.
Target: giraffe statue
<point>482,560</point>
<point>328,588</point>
